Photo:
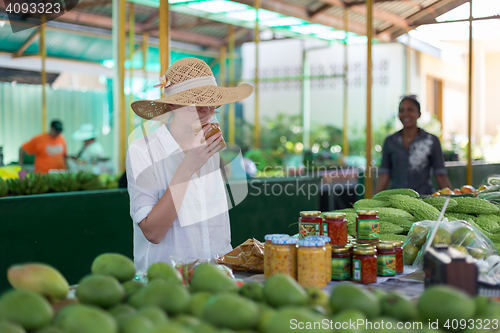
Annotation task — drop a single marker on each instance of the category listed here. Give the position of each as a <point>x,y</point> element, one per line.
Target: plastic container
<point>284,256</point>
<point>367,226</point>
<point>364,261</point>
<point>337,228</point>
<point>398,247</point>
<point>328,256</point>
<point>268,252</point>
<point>341,263</point>
<point>311,263</point>
<point>310,223</point>
<point>386,259</point>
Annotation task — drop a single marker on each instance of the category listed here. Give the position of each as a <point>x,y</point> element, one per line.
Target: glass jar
<point>284,256</point>
<point>398,247</point>
<point>328,256</point>
<point>386,259</point>
<point>364,261</point>
<point>311,268</point>
<point>310,223</point>
<point>268,252</point>
<point>212,129</point>
<point>341,263</point>
<point>367,226</point>
<point>337,228</point>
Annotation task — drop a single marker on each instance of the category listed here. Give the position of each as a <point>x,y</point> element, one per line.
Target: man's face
<point>53,133</point>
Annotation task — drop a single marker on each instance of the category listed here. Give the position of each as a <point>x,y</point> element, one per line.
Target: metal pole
<point>469,129</point>
<point>408,64</point>
<point>164,36</point>
<point>231,82</point>
<point>222,80</point>
<point>121,83</point>
<point>131,49</point>
<point>256,134</point>
<point>369,33</point>
<point>346,90</point>
<point>145,38</point>
<point>43,55</point>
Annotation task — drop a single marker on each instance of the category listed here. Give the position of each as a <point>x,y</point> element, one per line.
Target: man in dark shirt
<point>410,156</point>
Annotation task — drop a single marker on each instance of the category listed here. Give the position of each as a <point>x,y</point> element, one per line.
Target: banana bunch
<point>63,182</point>
<point>31,184</point>
<point>4,188</point>
<point>88,181</point>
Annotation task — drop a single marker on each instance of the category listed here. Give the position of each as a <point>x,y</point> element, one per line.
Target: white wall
<point>284,58</point>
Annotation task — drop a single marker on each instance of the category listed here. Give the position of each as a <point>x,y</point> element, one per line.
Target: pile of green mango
<point>109,300</point>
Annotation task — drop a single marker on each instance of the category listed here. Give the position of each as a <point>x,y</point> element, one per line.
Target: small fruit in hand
<point>467,189</point>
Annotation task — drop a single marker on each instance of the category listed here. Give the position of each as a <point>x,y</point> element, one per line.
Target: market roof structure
<point>84,33</point>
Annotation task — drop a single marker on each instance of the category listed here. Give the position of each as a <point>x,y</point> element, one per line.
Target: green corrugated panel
<point>10,42</point>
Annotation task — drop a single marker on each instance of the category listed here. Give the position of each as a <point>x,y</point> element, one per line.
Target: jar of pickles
<point>284,256</point>
<point>328,256</point>
<point>386,259</point>
<point>311,263</point>
<point>268,252</point>
<point>367,226</point>
<point>310,224</point>
<point>341,263</point>
<point>337,228</point>
<point>398,248</point>
<point>364,261</point>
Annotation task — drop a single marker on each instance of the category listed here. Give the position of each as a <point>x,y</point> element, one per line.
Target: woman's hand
<point>201,150</point>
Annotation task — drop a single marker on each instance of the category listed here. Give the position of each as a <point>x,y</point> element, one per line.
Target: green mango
<point>114,264</point>
<point>281,290</point>
<point>353,297</point>
<point>231,311</point>
<point>26,308</point>
<point>75,319</point>
<point>172,298</point>
<point>100,290</point>
<point>212,279</point>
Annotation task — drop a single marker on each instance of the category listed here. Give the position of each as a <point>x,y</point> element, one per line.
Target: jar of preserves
<point>310,223</point>
<point>398,247</point>
<point>367,226</point>
<point>268,252</point>
<point>284,256</point>
<point>311,263</point>
<point>337,228</point>
<point>364,261</point>
<point>341,263</point>
<point>386,259</point>
<point>328,256</point>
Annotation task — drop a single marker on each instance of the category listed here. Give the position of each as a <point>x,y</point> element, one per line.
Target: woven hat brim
<point>201,96</point>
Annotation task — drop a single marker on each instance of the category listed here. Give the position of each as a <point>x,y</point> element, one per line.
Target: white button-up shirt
<point>201,229</point>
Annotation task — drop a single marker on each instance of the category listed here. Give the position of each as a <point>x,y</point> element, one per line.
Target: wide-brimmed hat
<point>189,81</point>
<point>86,132</point>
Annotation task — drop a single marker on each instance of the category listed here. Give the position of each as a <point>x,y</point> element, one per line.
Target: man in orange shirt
<point>49,149</point>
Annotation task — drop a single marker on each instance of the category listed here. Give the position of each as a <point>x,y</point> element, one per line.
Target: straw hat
<point>86,132</point>
<point>189,81</point>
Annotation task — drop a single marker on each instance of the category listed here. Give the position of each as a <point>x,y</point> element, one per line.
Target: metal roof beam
<point>382,15</point>
<point>301,12</point>
<point>26,44</point>
<point>363,2</point>
<point>90,4</point>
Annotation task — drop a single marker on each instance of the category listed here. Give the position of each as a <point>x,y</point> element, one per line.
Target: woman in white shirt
<point>177,197</point>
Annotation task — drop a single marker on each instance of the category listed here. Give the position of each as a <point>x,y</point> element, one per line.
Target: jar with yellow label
<point>367,226</point>
<point>311,263</point>
<point>268,252</point>
<point>310,224</point>
<point>341,263</point>
<point>386,259</point>
<point>284,256</point>
<point>328,256</point>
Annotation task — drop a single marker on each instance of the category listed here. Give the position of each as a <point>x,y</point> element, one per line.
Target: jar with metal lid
<point>337,228</point>
<point>310,223</point>
<point>367,226</point>
<point>341,263</point>
<point>311,263</point>
<point>386,259</point>
<point>284,256</point>
<point>328,256</point>
<point>398,247</point>
<point>364,261</point>
<point>268,252</point>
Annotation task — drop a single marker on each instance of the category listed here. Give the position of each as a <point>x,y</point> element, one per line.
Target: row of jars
<point>334,225</point>
<point>313,262</point>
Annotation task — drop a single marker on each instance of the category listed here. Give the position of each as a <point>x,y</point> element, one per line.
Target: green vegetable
<point>474,206</point>
<point>387,194</point>
<point>438,202</point>
<point>419,209</point>
<point>370,204</point>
